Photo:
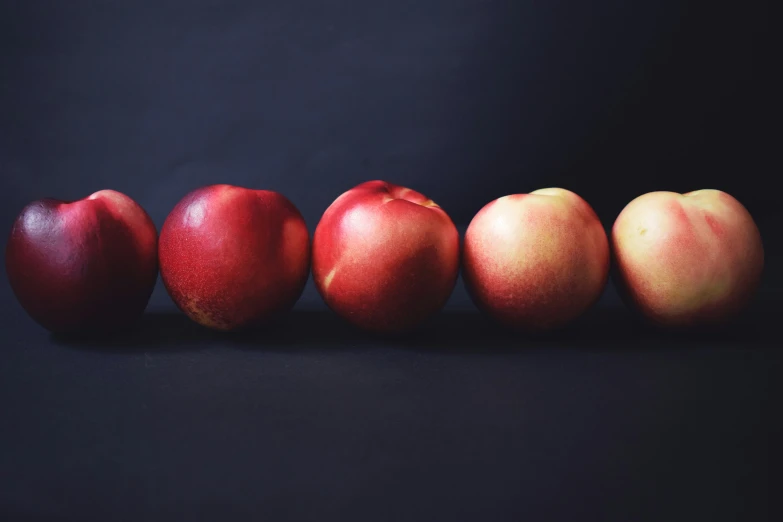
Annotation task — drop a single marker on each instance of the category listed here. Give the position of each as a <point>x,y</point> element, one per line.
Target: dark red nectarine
<point>84,265</point>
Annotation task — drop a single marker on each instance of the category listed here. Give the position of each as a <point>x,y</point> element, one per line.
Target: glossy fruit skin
<point>82,266</point>
<point>232,257</point>
<point>687,260</point>
<point>385,257</point>
<point>535,262</point>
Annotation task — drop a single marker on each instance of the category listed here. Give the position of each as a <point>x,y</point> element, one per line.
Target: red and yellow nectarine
<point>687,259</point>
<point>535,261</point>
<point>385,257</point>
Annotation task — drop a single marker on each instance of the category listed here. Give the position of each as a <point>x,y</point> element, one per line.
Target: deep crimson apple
<point>84,265</point>
<point>687,259</point>
<point>385,257</point>
<point>535,261</point>
<point>233,257</point>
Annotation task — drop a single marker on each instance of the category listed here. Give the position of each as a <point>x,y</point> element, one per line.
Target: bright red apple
<point>84,265</point>
<point>232,257</point>
<point>687,259</point>
<point>535,261</point>
<point>385,257</point>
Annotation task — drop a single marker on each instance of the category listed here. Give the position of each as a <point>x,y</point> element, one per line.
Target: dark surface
<point>464,101</point>
<point>315,421</point>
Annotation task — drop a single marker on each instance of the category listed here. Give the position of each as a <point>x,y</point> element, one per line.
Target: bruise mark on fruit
<point>677,211</point>
<point>328,278</point>
<point>430,203</point>
<point>203,317</point>
<point>716,228</point>
<point>642,231</point>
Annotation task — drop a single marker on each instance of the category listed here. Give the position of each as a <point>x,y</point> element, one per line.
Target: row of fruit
<point>384,257</point>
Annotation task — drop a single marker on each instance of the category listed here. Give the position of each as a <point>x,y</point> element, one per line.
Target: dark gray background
<point>465,101</point>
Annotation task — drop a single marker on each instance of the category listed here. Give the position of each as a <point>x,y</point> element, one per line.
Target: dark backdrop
<point>465,101</point>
